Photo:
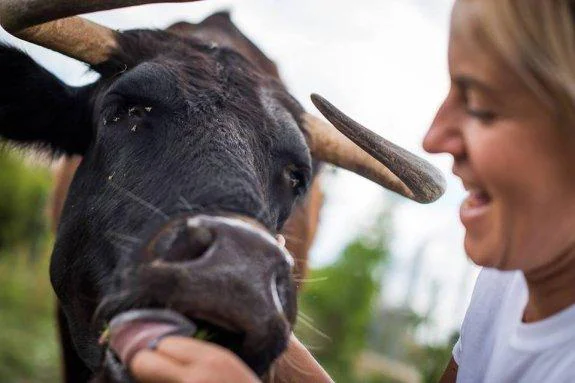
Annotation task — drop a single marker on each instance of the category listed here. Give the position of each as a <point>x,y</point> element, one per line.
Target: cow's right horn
<point>362,151</point>
<point>76,37</point>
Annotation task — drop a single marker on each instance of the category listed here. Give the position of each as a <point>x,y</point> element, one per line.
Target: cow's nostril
<point>183,243</point>
<point>200,240</point>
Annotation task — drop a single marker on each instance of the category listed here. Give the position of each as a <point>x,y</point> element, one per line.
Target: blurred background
<point>390,280</point>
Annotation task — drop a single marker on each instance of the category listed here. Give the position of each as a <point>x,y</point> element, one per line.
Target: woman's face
<point>515,161</point>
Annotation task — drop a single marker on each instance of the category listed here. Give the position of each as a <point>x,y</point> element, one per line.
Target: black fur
<point>37,109</point>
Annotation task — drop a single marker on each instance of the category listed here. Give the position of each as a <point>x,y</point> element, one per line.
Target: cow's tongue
<point>135,330</point>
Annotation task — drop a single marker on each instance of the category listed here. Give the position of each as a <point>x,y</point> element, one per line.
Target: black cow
<point>194,154</point>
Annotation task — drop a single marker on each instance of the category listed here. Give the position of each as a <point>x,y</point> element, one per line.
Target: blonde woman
<point>509,123</point>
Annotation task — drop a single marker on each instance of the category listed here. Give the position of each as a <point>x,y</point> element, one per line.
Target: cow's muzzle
<point>227,276</point>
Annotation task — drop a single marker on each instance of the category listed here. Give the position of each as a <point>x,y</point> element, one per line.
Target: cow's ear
<point>37,109</point>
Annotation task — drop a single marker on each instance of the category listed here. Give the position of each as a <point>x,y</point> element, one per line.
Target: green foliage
<point>344,317</point>
<point>338,302</point>
<point>432,360</point>
<point>28,347</point>
<point>23,191</point>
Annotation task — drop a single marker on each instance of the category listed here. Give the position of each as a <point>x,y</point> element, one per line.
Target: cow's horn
<point>49,23</point>
<point>362,151</point>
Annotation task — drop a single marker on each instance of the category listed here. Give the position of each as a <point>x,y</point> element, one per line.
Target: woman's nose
<point>444,134</point>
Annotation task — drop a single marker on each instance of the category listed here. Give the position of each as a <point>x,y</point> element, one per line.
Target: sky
<point>384,63</point>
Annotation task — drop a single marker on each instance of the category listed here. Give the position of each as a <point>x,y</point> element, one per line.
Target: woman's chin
<point>483,253</point>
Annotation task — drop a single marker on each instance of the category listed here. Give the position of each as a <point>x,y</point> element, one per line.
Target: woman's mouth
<point>475,206</point>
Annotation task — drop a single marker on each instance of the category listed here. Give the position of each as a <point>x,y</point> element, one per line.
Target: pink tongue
<point>130,337</point>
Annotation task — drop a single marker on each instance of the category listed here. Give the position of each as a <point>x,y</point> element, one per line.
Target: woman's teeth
<point>477,198</point>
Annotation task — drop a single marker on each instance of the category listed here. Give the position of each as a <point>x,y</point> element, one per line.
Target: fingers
<point>150,367</point>
<point>188,351</point>
<point>180,359</point>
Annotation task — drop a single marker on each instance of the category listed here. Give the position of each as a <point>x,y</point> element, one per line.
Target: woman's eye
<point>475,106</point>
<point>484,116</point>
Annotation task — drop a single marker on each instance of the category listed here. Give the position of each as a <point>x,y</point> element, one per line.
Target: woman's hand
<point>180,359</point>
<point>297,365</point>
<point>187,360</point>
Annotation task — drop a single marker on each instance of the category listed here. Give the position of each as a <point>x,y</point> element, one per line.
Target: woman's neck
<point>551,288</point>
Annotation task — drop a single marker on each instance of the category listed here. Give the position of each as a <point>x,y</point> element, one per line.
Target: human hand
<point>151,345</point>
<point>182,359</point>
<point>297,365</point>
<point>186,360</point>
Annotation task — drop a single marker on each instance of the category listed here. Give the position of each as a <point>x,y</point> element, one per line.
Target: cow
<point>194,160</point>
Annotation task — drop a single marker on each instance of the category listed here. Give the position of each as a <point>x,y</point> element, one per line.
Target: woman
<point>509,123</point>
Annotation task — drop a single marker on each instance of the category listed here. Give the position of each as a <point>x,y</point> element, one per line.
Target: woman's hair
<point>537,39</point>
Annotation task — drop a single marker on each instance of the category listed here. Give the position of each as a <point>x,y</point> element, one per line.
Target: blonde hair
<point>536,38</point>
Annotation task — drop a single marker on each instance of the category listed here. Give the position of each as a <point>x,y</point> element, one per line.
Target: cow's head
<point>194,155</point>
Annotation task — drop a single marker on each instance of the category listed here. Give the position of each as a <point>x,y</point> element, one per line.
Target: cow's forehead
<point>220,30</point>
<point>275,111</point>
<point>282,117</point>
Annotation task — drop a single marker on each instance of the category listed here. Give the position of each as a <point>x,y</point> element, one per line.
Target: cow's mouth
<point>135,330</point>
<point>237,294</point>
<point>207,331</point>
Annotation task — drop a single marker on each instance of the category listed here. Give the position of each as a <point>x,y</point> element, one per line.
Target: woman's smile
<point>475,207</point>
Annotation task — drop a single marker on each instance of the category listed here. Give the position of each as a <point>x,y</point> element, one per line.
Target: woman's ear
<point>38,110</point>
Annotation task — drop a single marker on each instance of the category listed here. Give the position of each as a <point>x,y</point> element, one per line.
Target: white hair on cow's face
<point>240,224</point>
<point>275,295</point>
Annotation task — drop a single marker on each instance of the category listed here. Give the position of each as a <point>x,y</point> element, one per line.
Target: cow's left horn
<point>52,24</point>
<point>362,151</point>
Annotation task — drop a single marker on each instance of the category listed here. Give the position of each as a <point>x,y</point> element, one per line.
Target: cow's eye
<point>296,180</point>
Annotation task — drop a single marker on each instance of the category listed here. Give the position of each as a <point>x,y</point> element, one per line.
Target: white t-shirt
<point>495,346</point>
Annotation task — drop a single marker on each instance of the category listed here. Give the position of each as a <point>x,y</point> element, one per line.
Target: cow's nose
<point>181,242</point>
<point>232,251</point>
